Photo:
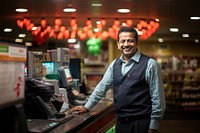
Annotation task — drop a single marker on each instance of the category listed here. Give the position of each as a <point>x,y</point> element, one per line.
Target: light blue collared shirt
<point>153,78</point>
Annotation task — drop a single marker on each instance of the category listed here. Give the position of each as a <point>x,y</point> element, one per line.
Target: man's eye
<point>130,41</point>
<point>123,41</point>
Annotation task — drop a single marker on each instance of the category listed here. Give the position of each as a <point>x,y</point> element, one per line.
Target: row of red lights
<point>59,31</point>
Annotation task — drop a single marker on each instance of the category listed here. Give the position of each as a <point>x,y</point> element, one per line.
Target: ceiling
<point>171,13</point>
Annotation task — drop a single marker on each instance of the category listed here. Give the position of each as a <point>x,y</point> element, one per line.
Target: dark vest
<point>131,92</point>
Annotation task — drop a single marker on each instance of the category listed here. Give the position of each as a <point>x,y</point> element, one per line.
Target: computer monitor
<point>75,68</point>
<point>49,67</point>
<point>65,77</point>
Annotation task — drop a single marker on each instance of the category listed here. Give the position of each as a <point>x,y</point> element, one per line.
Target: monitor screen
<point>68,75</point>
<point>75,68</point>
<point>65,77</point>
<point>49,67</point>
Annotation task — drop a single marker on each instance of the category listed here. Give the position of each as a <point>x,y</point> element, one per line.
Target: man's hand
<point>152,131</point>
<point>78,109</point>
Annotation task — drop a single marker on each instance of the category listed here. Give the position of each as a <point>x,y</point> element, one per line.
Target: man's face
<point>127,44</point>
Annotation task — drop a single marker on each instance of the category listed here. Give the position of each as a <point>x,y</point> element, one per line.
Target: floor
<point>180,122</point>
<point>180,126</point>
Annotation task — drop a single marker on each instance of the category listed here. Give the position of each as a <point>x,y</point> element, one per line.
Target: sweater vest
<point>131,92</point>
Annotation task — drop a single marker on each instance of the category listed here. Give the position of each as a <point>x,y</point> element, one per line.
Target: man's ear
<point>118,46</point>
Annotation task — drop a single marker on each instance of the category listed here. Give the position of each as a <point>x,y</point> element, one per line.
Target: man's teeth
<point>126,48</point>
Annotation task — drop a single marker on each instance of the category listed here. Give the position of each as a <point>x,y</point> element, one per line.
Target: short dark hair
<point>128,29</point>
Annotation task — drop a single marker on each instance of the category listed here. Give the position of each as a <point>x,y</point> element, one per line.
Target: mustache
<point>124,47</point>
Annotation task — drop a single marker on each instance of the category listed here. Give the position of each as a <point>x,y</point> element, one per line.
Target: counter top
<point>89,122</point>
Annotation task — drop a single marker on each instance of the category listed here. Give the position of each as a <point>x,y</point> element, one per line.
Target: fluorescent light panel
<point>96,4</point>
<point>22,35</point>
<point>69,10</point>
<point>21,10</point>
<point>185,35</point>
<point>174,29</point>
<point>123,10</point>
<point>28,44</point>
<point>195,18</point>
<point>34,28</point>
<point>7,30</point>
<point>18,40</point>
<point>71,40</point>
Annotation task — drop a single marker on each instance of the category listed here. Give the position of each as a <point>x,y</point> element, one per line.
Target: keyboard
<point>66,118</point>
<point>40,125</point>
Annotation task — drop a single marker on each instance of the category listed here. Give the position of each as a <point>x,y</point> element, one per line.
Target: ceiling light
<point>7,30</point>
<point>123,24</point>
<point>71,40</point>
<point>22,35</point>
<point>195,18</point>
<point>140,33</point>
<point>96,30</point>
<point>18,40</point>
<point>185,35</point>
<point>98,22</point>
<point>69,9</point>
<point>21,10</point>
<point>157,20</point>
<point>28,44</point>
<point>174,29</point>
<point>196,40</point>
<point>160,40</point>
<point>77,46</point>
<point>96,4</point>
<point>34,28</point>
<point>123,10</point>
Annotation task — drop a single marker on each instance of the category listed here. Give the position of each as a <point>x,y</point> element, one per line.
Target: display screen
<point>68,75</point>
<point>75,68</point>
<point>49,67</point>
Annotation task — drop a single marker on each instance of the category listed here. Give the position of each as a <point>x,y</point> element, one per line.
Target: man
<point>139,101</point>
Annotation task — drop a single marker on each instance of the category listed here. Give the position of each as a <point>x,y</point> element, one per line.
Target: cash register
<point>42,105</point>
<point>66,81</point>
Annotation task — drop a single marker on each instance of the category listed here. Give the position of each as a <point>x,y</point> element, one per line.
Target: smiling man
<point>139,100</point>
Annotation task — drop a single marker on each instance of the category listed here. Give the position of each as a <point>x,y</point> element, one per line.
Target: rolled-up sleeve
<point>101,88</point>
<point>154,78</point>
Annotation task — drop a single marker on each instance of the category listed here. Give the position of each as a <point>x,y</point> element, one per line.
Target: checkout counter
<point>100,119</point>
<point>40,93</point>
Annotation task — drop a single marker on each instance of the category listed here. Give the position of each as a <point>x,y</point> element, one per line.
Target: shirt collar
<point>135,57</point>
